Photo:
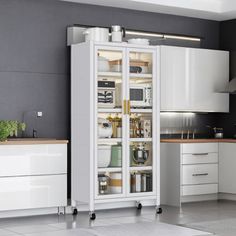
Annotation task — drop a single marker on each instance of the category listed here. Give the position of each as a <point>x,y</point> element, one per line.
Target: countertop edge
<point>198,141</point>
<point>34,142</point>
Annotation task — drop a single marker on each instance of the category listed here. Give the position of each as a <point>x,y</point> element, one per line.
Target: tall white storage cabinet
<point>115,126</point>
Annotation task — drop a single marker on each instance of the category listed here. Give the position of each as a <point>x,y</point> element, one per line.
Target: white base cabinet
<point>33,176</point>
<point>227,166</point>
<point>188,170</point>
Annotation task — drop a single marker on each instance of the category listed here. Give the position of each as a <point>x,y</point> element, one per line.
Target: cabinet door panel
<point>199,148</point>
<point>200,174</point>
<point>18,160</point>
<point>199,189</point>
<point>209,74</point>
<point>174,79</point>
<point>33,192</point>
<point>192,78</point>
<point>227,166</point>
<point>200,158</point>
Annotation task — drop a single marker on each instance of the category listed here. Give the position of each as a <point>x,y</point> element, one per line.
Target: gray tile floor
<point>190,215</point>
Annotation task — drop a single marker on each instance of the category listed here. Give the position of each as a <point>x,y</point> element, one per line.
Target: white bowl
<point>139,41</point>
<point>104,156</point>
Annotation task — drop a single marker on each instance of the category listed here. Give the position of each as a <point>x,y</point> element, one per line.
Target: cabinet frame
<point>90,193</point>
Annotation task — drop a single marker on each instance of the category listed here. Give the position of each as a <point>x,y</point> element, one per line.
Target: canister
<point>115,183</point>
<point>116,156</point>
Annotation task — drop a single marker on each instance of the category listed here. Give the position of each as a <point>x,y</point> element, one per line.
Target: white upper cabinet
<point>191,79</point>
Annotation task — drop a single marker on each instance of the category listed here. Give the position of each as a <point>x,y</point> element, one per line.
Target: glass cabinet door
<point>109,73</point>
<point>141,131</point>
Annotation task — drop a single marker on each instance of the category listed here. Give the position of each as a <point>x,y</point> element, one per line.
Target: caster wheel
<point>139,206</point>
<point>159,210</point>
<point>75,212</point>
<point>92,216</point>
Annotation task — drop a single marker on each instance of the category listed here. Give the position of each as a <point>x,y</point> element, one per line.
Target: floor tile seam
<point>16,232</point>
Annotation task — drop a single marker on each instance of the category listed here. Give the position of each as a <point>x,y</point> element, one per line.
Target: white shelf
<point>109,140</point>
<point>109,110</point>
<point>110,74</point>
<point>110,169</point>
<point>140,168</point>
<point>140,139</point>
<point>134,75</point>
<point>140,110</point>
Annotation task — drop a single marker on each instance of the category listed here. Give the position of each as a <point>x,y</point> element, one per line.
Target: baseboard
<point>227,196</point>
<point>199,198</point>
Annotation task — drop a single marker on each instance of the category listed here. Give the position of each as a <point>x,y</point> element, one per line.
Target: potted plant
<point>10,128</point>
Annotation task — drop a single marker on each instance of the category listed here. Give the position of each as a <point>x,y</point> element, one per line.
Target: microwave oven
<point>140,95</point>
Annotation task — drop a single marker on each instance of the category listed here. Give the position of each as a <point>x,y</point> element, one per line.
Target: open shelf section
<point>110,169</point>
<point>110,74</point>
<point>140,139</point>
<point>109,110</point>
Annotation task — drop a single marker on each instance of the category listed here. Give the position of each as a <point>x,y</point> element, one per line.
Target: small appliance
<point>104,128</point>
<point>140,95</point>
<point>218,132</point>
<point>106,94</point>
<point>117,33</point>
<point>140,154</point>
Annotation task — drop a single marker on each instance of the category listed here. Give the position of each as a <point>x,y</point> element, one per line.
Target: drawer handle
<point>200,154</point>
<point>203,174</point>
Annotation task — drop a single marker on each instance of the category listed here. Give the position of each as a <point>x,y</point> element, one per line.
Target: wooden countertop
<point>32,141</point>
<point>198,140</point>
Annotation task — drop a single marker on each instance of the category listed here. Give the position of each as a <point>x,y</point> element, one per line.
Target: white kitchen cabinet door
<point>227,164</point>
<point>191,79</point>
<point>200,174</point>
<point>175,94</point>
<point>28,192</point>
<point>25,160</point>
<point>209,74</point>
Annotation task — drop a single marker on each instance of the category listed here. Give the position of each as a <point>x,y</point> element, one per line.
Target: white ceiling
<point>205,9</point>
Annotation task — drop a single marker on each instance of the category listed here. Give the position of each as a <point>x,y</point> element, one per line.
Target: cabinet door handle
<point>128,107</point>
<point>125,107</point>
<point>203,174</point>
<point>200,154</point>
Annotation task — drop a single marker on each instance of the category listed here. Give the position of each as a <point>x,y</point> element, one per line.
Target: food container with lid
<point>116,156</point>
<point>104,156</point>
<point>116,183</point>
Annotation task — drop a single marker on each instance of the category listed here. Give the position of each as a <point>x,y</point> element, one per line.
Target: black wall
<point>228,42</point>
<point>34,59</point>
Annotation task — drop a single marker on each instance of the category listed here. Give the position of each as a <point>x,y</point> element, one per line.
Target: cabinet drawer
<point>199,189</point>
<point>199,148</point>
<point>33,192</point>
<point>23,160</point>
<point>200,158</point>
<point>200,174</point>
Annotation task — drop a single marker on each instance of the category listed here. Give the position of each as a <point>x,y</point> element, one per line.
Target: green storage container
<point>116,156</point>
